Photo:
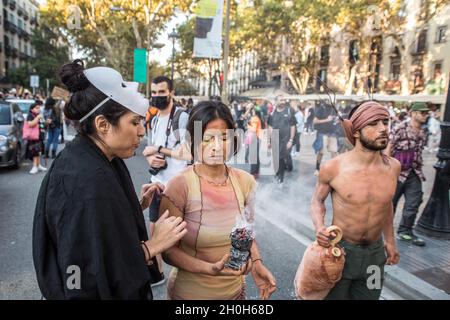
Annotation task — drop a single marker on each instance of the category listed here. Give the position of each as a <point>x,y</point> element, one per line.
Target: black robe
<point>88,216</point>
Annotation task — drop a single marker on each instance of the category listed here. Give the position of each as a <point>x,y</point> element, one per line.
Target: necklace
<point>224,183</point>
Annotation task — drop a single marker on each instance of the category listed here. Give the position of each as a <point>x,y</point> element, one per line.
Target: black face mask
<point>160,102</point>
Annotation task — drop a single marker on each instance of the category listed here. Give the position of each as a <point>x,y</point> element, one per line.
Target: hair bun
<point>72,76</point>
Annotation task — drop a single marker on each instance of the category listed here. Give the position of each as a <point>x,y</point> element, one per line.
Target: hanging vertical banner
<point>140,65</point>
<point>208,29</point>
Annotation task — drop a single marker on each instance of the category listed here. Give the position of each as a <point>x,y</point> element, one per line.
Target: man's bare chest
<point>365,187</point>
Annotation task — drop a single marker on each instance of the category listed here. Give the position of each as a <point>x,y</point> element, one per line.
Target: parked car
<point>12,150</point>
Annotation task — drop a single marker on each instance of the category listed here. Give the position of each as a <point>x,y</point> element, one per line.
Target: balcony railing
<point>34,21</point>
<point>392,86</point>
<point>20,11</point>
<point>5,2</point>
<point>9,26</point>
<point>23,56</point>
<point>22,33</point>
<point>12,4</point>
<point>26,16</point>
<point>7,50</point>
<point>14,52</point>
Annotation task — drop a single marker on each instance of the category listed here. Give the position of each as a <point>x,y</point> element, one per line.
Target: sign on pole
<point>34,81</point>
<point>208,29</point>
<point>60,93</point>
<point>140,65</point>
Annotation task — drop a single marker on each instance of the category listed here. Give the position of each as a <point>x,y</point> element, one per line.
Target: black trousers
<point>411,188</point>
<point>285,160</point>
<point>297,141</point>
<point>252,155</point>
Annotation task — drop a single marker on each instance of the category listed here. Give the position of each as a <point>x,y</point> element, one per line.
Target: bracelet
<point>147,250</point>
<point>253,261</point>
<point>159,149</point>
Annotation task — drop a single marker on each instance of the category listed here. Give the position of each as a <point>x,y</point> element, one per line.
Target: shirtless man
<point>362,183</point>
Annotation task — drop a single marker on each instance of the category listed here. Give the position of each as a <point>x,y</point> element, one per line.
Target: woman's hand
<point>148,191</point>
<point>168,231</point>
<point>219,269</point>
<point>264,280</point>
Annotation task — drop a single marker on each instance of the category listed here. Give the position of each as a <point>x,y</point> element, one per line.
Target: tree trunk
<point>404,72</point>
<point>105,41</point>
<point>137,34</point>
<point>294,80</point>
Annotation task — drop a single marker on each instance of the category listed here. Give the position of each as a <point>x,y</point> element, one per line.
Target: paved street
<point>283,227</point>
<point>18,192</point>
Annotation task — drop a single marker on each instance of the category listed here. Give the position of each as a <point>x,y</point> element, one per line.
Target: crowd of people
<point>42,127</point>
<point>195,200</point>
<point>316,118</point>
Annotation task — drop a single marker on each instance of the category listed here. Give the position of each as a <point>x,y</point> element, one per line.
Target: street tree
<point>108,31</point>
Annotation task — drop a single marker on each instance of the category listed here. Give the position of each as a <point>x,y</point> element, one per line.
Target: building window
<point>395,70</point>
<point>322,74</point>
<point>324,54</point>
<point>353,52</point>
<point>422,41</point>
<point>440,34</point>
<point>437,70</point>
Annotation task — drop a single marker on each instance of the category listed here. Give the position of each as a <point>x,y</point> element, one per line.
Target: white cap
<point>111,83</point>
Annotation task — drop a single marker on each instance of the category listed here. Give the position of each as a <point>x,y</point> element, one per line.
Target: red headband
<point>366,113</point>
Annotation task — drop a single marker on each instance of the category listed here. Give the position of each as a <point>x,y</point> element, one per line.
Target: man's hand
<point>155,161</point>
<point>323,237</point>
<point>393,256</point>
<point>149,151</point>
<point>148,191</point>
<point>264,280</point>
<point>219,269</point>
<point>289,145</point>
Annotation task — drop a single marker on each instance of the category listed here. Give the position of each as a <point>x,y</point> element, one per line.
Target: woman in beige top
<point>209,196</point>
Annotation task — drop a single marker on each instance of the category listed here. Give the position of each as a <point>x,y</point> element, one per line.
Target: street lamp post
<point>173,35</point>
<point>435,219</point>
<point>226,53</point>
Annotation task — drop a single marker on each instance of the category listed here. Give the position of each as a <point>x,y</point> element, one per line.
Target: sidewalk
<point>422,273</point>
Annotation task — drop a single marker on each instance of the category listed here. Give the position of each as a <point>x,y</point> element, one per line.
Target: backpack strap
<point>176,125</point>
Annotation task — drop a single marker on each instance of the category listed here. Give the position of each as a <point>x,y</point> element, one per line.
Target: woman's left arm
<point>263,278</point>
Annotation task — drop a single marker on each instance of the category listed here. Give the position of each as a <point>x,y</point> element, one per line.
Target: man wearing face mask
<point>166,153</point>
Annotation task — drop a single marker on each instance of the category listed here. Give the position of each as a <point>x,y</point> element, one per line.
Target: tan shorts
<point>331,143</point>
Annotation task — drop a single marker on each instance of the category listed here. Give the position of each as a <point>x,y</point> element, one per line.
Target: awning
<point>435,99</point>
<point>264,93</point>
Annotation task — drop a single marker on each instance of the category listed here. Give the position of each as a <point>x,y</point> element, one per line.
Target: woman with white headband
<point>89,234</point>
